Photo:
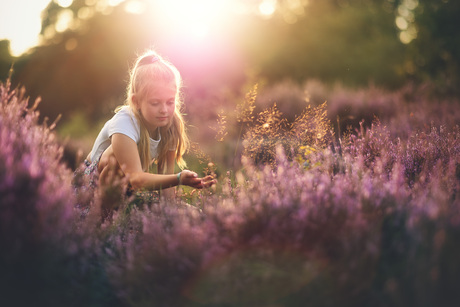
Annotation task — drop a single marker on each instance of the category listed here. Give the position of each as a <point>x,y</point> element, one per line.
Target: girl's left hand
<point>191,179</point>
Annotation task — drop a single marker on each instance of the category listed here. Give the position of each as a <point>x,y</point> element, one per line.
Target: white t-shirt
<point>123,122</point>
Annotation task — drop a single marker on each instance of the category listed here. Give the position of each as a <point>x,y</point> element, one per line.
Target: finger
<point>210,180</point>
<point>207,184</point>
<point>190,174</point>
<point>194,182</point>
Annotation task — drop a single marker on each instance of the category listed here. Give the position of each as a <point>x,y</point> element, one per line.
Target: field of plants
<point>350,202</point>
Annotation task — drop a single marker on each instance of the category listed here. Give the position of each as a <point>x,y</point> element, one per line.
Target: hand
<point>191,179</point>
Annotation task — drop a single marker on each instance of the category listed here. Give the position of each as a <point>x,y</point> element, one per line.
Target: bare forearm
<point>156,182</point>
<point>153,181</point>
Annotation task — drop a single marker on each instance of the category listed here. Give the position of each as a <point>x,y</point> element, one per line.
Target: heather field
<point>353,200</point>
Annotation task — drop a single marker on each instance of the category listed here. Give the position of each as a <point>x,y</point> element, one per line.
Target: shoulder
<point>124,122</point>
<point>124,111</point>
<point>124,114</point>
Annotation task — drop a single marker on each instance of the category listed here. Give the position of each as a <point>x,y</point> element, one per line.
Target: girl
<point>149,127</point>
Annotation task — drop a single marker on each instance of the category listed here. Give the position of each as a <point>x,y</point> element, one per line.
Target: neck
<point>155,133</point>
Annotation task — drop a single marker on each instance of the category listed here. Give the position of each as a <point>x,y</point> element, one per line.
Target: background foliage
<point>353,42</point>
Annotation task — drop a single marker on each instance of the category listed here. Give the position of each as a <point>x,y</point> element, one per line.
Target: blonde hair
<point>148,68</point>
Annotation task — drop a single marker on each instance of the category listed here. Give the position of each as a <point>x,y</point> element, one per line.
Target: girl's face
<point>157,104</point>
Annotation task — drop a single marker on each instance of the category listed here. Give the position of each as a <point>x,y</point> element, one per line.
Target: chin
<point>165,124</point>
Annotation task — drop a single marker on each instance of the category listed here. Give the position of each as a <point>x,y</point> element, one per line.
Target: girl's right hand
<point>191,179</point>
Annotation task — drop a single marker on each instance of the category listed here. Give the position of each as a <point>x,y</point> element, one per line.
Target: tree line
<point>354,42</point>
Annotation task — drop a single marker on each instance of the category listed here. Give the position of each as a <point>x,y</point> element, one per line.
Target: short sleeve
<point>124,123</point>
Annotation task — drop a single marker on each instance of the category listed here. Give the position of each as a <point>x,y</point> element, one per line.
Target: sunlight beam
<point>267,7</point>
<point>196,18</point>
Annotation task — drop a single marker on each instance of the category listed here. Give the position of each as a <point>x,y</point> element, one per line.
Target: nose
<point>163,108</point>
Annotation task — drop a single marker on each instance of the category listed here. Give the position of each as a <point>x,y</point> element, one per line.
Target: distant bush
<point>407,110</point>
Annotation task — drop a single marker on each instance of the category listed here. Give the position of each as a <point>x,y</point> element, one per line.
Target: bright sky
<point>20,23</point>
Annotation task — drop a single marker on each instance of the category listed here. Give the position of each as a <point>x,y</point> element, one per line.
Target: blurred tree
<point>363,35</point>
<point>50,16</point>
<point>88,46</point>
<point>83,61</point>
<point>5,59</point>
<point>354,42</point>
<point>434,51</point>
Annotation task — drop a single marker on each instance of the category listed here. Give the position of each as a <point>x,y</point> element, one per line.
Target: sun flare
<point>197,18</point>
<point>267,7</point>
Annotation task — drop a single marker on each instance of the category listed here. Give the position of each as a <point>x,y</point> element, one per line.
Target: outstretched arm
<point>125,151</point>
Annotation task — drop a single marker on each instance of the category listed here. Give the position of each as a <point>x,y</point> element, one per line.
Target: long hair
<point>149,68</point>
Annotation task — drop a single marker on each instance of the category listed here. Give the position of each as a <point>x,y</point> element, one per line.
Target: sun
<point>267,7</point>
<point>196,18</point>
